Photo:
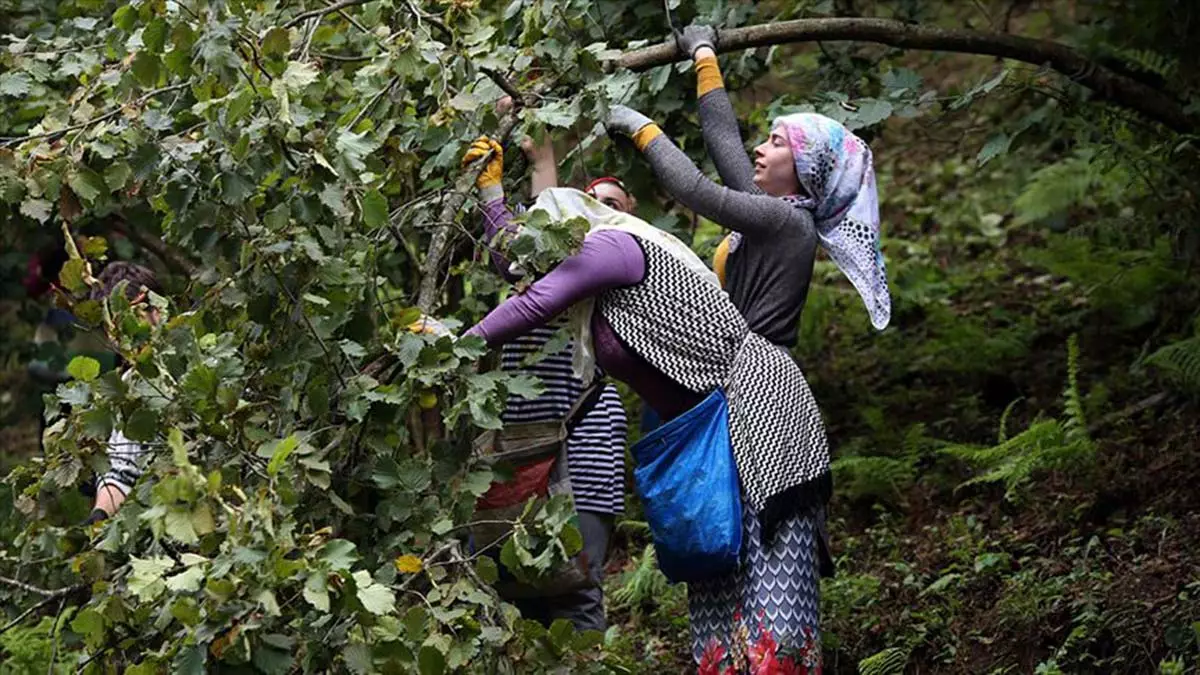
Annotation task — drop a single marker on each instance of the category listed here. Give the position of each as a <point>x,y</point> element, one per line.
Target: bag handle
<point>583,405</point>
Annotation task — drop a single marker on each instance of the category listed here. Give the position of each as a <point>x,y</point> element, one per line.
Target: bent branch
<point>1106,83</point>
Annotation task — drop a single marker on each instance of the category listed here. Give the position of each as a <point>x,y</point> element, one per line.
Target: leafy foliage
<point>642,584</point>
<point>1180,363</point>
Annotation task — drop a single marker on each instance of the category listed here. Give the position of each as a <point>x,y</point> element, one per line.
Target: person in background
<point>55,340</point>
<point>596,447</point>
<point>125,457</point>
<point>608,190</point>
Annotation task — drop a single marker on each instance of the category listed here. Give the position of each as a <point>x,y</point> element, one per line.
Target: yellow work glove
<point>430,326</point>
<point>488,181</point>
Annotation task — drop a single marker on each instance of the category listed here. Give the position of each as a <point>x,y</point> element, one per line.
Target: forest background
<point>1016,456</point>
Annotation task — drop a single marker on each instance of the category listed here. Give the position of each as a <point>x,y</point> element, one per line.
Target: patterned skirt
<point>764,616</point>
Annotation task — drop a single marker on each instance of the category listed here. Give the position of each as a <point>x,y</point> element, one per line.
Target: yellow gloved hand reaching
<point>494,171</point>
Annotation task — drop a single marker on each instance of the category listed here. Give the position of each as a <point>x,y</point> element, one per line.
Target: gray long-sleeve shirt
<point>768,273</point>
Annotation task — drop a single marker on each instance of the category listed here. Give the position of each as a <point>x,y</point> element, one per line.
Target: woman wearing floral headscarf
<point>810,184</point>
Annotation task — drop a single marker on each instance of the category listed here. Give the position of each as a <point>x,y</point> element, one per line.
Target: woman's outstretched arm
<point>606,260</point>
<point>754,215</point>
<point>717,120</point>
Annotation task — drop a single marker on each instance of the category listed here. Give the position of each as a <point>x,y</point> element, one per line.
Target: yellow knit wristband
<point>646,134</point>
<point>708,76</point>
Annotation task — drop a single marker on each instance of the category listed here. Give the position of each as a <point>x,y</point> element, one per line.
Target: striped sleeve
<point>596,447</point>
<point>125,460</point>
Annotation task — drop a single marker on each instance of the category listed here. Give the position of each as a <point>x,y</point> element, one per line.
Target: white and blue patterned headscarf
<point>834,167</point>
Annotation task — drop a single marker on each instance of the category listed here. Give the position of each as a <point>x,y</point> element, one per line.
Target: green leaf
<point>282,450</point>
<point>354,147</point>
<point>996,145</point>
<point>191,661</point>
<point>145,581</point>
<point>14,84</point>
<point>117,175</point>
<point>525,386</point>
<point>142,425</point>
<point>316,591</point>
<point>239,106</point>
<point>71,275</point>
<point>508,555</point>
<point>339,554</point>
<point>375,209</point>
<point>202,520</point>
<point>125,17</point>
<point>178,525</point>
<point>465,101</point>
<point>557,114</point>
<point>272,661</point>
<point>431,661</point>
<point>561,633</point>
<point>487,570</point>
<point>375,598</point>
<point>276,43</point>
<point>572,540</point>
<point>146,67</point>
<point>178,449</point>
<point>187,611</point>
<point>872,111</point>
<point>90,624</point>
<point>86,183</point>
<point>154,36</point>
<point>95,247</point>
<point>97,423</point>
<point>84,368</point>
<point>358,659</point>
<point>299,75</point>
<point>479,482</point>
<point>187,581</point>
<point>901,80</point>
<point>38,209</point>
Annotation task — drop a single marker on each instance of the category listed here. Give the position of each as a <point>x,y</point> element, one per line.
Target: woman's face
<point>612,196</point>
<point>774,171</point>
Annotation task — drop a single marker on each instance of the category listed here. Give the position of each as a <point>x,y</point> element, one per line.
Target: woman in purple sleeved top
<point>652,315</point>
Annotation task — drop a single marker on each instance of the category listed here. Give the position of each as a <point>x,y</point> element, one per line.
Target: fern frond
<point>915,441</point>
<point>1179,363</point>
<point>1149,61</point>
<point>642,584</point>
<point>1075,423</point>
<point>874,477</point>
<point>890,661</point>
<point>1047,443</point>
<point>1003,435</point>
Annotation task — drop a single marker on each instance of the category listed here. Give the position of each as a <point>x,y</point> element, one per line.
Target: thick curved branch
<point>1106,83</point>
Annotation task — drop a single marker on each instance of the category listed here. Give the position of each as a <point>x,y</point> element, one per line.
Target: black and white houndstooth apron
<point>692,333</point>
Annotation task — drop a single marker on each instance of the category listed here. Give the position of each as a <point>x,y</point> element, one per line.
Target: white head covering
<point>836,170</point>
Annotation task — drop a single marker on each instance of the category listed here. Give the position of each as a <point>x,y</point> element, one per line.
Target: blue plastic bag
<point>688,483</point>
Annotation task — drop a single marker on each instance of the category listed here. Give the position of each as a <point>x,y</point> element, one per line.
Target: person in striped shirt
<point>125,457</point>
<point>596,447</point>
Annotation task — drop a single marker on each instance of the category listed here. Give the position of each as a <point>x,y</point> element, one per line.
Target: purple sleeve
<point>607,259</point>
<point>497,217</point>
